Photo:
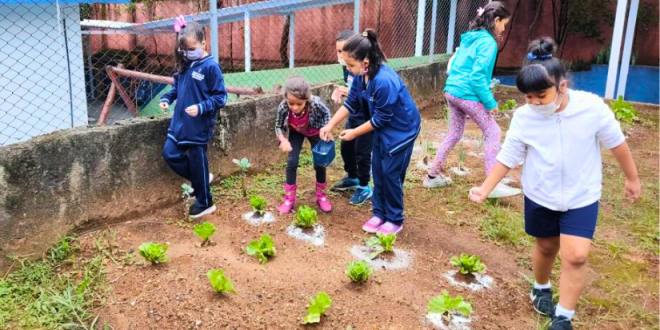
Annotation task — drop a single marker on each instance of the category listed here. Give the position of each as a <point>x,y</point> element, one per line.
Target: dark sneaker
<point>361,196</point>
<point>542,301</point>
<point>346,184</point>
<point>196,212</point>
<point>560,323</point>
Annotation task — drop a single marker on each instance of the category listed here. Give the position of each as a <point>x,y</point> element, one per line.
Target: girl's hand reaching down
<point>192,110</point>
<point>326,133</point>
<point>164,105</point>
<point>633,190</point>
<point>285,146</point>
<point>478,195</point>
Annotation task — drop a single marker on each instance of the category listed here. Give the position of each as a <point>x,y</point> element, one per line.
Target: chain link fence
<point>74,64</point>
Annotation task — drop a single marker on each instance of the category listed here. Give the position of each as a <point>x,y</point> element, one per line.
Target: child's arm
<point>280,126</point>
<point>170,96</point>
<point>386,98</point>
<point>486,54</point>
<point>326,131</point>
<point>479,194</point>
<point>350,105</point>
<point>611,136</point>
<point>513,151</point>
<point>216,84</point>
<point>633,188</point>
<point>351,134</point>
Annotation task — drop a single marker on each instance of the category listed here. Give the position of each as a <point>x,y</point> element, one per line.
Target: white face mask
<point>547,109</point>
<point>342,62</point>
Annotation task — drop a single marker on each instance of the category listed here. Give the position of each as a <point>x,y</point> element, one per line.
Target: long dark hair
<point>192,29</point>
<point>486,20</point>
<point>365,45</point>
<point>541,70</point>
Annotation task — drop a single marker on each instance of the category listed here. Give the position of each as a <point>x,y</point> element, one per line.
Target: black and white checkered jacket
<point>319,115</point>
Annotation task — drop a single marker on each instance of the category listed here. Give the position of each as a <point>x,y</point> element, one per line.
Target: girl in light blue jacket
<point>467,90</point>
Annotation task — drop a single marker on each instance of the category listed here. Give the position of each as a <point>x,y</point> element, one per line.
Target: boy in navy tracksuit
<point>395,122</point>
<point>356,153</point>
<point>199,91</point>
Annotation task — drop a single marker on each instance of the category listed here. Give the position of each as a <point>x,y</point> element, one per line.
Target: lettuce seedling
<point>263,248</point>
<point>358,271</point>
<point>305,217</point>
<point>510,104</point>
<point>220,282</point>
<point>445,304</point>
<point>204,231</point>
<point>317,308</point>
<point>187,190</point>
<point>154,252</point>
<point>468,264</point>
<point>382,243</point>
<point>258,204</point>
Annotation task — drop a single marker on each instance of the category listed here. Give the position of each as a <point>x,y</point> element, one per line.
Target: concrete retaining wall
<point>88,177</point>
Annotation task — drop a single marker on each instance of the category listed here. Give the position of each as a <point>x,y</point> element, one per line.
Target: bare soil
<point>439,224</point>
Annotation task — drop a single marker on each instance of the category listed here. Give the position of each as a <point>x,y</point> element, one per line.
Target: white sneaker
<point>502,190</point>
<point>438,181</point>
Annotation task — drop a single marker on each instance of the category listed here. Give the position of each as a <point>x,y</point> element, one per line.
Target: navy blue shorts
<point>544,223</point>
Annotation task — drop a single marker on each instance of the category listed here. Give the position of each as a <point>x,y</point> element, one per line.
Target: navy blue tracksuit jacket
<point>397,124</point>
<point>200,84</point>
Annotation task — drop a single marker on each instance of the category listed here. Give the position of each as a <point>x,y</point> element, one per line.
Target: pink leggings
<point>458,110</point>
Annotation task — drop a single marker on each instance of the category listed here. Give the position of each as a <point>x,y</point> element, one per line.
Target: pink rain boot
<point>289,198</point>
<point>322,197</point>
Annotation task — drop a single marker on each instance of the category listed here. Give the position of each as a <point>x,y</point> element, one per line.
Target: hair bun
<point>542,48</point>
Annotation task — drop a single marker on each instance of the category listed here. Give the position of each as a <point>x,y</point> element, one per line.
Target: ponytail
<point>366,45</point>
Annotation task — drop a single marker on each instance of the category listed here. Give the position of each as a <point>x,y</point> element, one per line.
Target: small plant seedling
<point>243,166</point>
<point>62,249</point>
<point>510,104</point>
<point>494,83</point>
<point>382,243</point>
<point>445,304</point>
<point>258,204</point>
<point>358,271</point>
<point>263,248</point>
<point>624,111</point>
<point>186,190</point>
<point>154,252</point>
<point>204,231</point>
<point>317,308</point>
<point>468,264</point>
<point>305,217</point>
<point>220,282</point>
<point>462,155</point>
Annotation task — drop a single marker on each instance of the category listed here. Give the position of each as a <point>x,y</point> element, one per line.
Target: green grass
<point>60,291</point>
<point>504,225</point>
<point>269,79</point>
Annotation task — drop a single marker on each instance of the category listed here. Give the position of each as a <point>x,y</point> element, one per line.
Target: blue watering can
<point>323,153</point>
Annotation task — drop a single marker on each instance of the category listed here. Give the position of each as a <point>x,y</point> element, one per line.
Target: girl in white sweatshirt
<point>559,133</point>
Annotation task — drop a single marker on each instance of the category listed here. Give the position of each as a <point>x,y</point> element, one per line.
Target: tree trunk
<point>284,42</point>
<point>539,6</point>
<point>378,12</point>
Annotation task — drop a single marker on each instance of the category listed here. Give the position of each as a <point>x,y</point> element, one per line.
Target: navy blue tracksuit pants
<point>389,173</point>
<point>190,162</point>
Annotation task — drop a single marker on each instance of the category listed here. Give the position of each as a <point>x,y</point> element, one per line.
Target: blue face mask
<point>193,55</point>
